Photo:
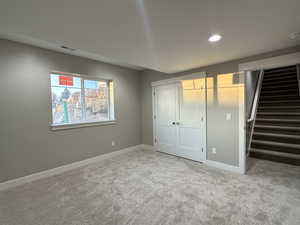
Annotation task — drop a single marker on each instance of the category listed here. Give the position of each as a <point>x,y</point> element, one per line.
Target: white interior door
<point>191,124</point>
<point>166,103</point>
<point>180,118</point>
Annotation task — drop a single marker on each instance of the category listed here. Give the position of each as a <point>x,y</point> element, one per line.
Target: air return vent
<point>67,48</point>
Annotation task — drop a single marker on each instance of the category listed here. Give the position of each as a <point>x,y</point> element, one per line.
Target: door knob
<point>173,123</point>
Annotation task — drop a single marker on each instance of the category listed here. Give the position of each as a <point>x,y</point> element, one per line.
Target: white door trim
<point>242,125</point>
<point>224,166</point>
<point>175,79</point>
<point>273,62</point>
<point>148,147</point>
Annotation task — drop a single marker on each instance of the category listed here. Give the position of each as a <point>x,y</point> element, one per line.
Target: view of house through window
<point>79,100</point>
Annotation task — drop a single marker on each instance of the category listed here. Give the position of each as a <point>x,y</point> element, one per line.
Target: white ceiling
<point>165,35</point>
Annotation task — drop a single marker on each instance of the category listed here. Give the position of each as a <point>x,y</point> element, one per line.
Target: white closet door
<point>191,125</point>
<point>180,118</point>
<point>166,104</point>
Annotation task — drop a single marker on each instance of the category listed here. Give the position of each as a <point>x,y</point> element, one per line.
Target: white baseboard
<point>218,165</point>
<point>58,170</point>
<point>224,166</point>
<point>147,147</point>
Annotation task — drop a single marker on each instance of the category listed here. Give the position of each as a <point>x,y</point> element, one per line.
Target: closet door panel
<point>165,116</point>
<point>191,122</point>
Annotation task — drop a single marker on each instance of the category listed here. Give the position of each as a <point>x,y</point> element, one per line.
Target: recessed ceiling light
<point>214,38</point>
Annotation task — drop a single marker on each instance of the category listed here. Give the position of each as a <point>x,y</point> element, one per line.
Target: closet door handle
<point>173,123</point>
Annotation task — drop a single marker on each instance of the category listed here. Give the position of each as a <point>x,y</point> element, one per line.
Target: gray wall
<point>147,77</point>
<point>28,146</point>
<point>26,143</point>
<point>218,129</point>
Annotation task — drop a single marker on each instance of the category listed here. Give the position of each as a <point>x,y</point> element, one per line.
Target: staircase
<point>276,133</point>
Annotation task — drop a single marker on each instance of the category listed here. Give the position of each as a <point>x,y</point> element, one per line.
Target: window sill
<point>81,125</point>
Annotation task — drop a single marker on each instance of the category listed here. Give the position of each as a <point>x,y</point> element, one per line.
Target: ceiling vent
<point>67,48</point>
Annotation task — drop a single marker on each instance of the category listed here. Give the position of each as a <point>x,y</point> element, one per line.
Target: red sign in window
<point>66,80</point>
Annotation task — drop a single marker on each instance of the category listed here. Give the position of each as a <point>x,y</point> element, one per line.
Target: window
<point>76,100</point>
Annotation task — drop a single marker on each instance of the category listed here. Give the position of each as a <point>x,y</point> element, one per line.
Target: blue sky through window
<point>91,84</point>
<point>58,89</point>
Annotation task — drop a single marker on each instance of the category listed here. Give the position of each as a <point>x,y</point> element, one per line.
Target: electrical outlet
<point>228,116</point>
<point>214,150</point>
<point>113,143</point>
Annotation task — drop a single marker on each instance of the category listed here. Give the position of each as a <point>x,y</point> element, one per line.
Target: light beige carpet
<point>143,188</point>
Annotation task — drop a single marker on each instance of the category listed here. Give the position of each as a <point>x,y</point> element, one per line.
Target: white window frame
<point>84,123</point>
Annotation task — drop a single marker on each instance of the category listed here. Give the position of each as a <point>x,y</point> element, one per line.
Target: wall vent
<point>67,48</point>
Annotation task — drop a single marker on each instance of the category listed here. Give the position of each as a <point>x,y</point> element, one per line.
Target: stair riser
<point>280,98</point>
<point>277,70</point>
<point>277,139</point>
<point>278,109</point>
<point>279,92</point>
<point>296,103</point>
<point>276,148</point>
<point>274,76</point>
<point>277,131</point>
<point>281,68</point>
<point>294,117</point>
<point>278,123</point>
<point>279,78</point>
<point>275,158</point>
<point>280,86</point>
<point>292,80</point>
<point>283,71</point>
